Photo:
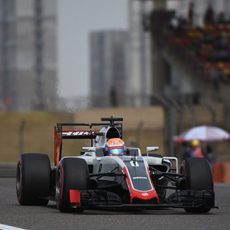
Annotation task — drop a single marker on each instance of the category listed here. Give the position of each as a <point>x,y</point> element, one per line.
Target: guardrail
<point>8,170</point>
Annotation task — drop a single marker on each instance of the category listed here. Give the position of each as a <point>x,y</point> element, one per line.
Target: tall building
<point>109,67</point>
<point>139,78</point>
<point>28,54</point>
<point>7,51</point>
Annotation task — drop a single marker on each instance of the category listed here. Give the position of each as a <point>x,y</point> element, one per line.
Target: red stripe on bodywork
<point>142,195</point>
<point>75,197</point>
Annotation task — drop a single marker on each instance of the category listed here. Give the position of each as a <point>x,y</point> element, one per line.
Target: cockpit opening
<point>113,133</point>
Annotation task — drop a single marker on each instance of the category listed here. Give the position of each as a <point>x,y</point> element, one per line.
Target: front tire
<point>72,173</point>
<point>33,179</point>
<point>198,177</point>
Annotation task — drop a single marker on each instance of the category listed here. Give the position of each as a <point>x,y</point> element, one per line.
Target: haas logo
<point>77,133</point>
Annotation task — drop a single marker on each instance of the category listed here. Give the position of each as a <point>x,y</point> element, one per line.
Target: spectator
<point>221,42</point>
<point>209,15</point>
<point>221,18</point>
<point>196,150</point>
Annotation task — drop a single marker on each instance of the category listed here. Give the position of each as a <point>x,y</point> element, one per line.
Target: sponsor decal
<point>76,133</point>
<point>144,194</point>
<point>139,177</point>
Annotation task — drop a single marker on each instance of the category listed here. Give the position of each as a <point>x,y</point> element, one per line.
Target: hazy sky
<point>76,18</point>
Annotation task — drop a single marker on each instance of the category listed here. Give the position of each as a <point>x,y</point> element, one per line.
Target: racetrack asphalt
<point>42,218</point>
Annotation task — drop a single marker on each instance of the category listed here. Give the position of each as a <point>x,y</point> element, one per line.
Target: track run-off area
<point>36,218</point>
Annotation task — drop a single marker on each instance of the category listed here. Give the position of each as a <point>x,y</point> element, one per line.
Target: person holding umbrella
<point>191,140</point>
<point>194,150</point>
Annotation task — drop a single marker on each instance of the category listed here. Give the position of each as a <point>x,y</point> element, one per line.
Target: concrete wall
<point>142,127</point>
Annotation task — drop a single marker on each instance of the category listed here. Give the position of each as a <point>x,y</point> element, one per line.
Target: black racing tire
<point>198,176</point>
<point>33,179</point>
<point>72,173</point>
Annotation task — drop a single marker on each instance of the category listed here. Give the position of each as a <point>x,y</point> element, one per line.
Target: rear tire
<point>198,176</point>
<point>33,179</point>
<point>72,173</point>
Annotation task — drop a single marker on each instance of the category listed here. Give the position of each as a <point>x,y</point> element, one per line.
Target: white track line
<point>7,227</point>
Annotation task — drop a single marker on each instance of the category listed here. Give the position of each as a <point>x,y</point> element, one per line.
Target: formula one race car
<point>112,176</point>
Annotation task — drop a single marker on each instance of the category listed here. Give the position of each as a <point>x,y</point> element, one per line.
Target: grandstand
<point>198,56</point>
<point>207,49</point>
<point>190,68</point>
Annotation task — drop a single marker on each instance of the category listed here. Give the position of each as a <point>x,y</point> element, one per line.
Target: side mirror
<point>152,148</point>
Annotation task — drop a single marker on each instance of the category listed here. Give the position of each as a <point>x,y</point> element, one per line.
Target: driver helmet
<point>115,147</point>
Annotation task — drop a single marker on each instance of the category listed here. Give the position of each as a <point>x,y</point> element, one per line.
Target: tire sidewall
<point>198,177</point>
<point>72,173</point>
<point>33,179</point>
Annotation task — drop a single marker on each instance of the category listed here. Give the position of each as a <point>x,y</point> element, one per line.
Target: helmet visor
<point>119,151</point>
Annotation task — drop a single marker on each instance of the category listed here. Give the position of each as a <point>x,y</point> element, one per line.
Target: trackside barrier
<point>227,172</point>
<point>221,172</point>
<point>8,169</point>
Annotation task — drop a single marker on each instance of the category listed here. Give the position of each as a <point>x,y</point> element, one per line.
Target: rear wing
<point>81,131</point>
<point>77,133</point>
<point>71,131</point>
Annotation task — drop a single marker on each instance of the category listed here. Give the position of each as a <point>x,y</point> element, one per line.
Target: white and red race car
<point>93,180</point>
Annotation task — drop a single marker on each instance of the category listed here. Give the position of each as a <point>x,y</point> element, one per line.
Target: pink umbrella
<point>203,133</point>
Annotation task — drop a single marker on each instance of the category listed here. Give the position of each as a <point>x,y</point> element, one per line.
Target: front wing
<point>100,199</point>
